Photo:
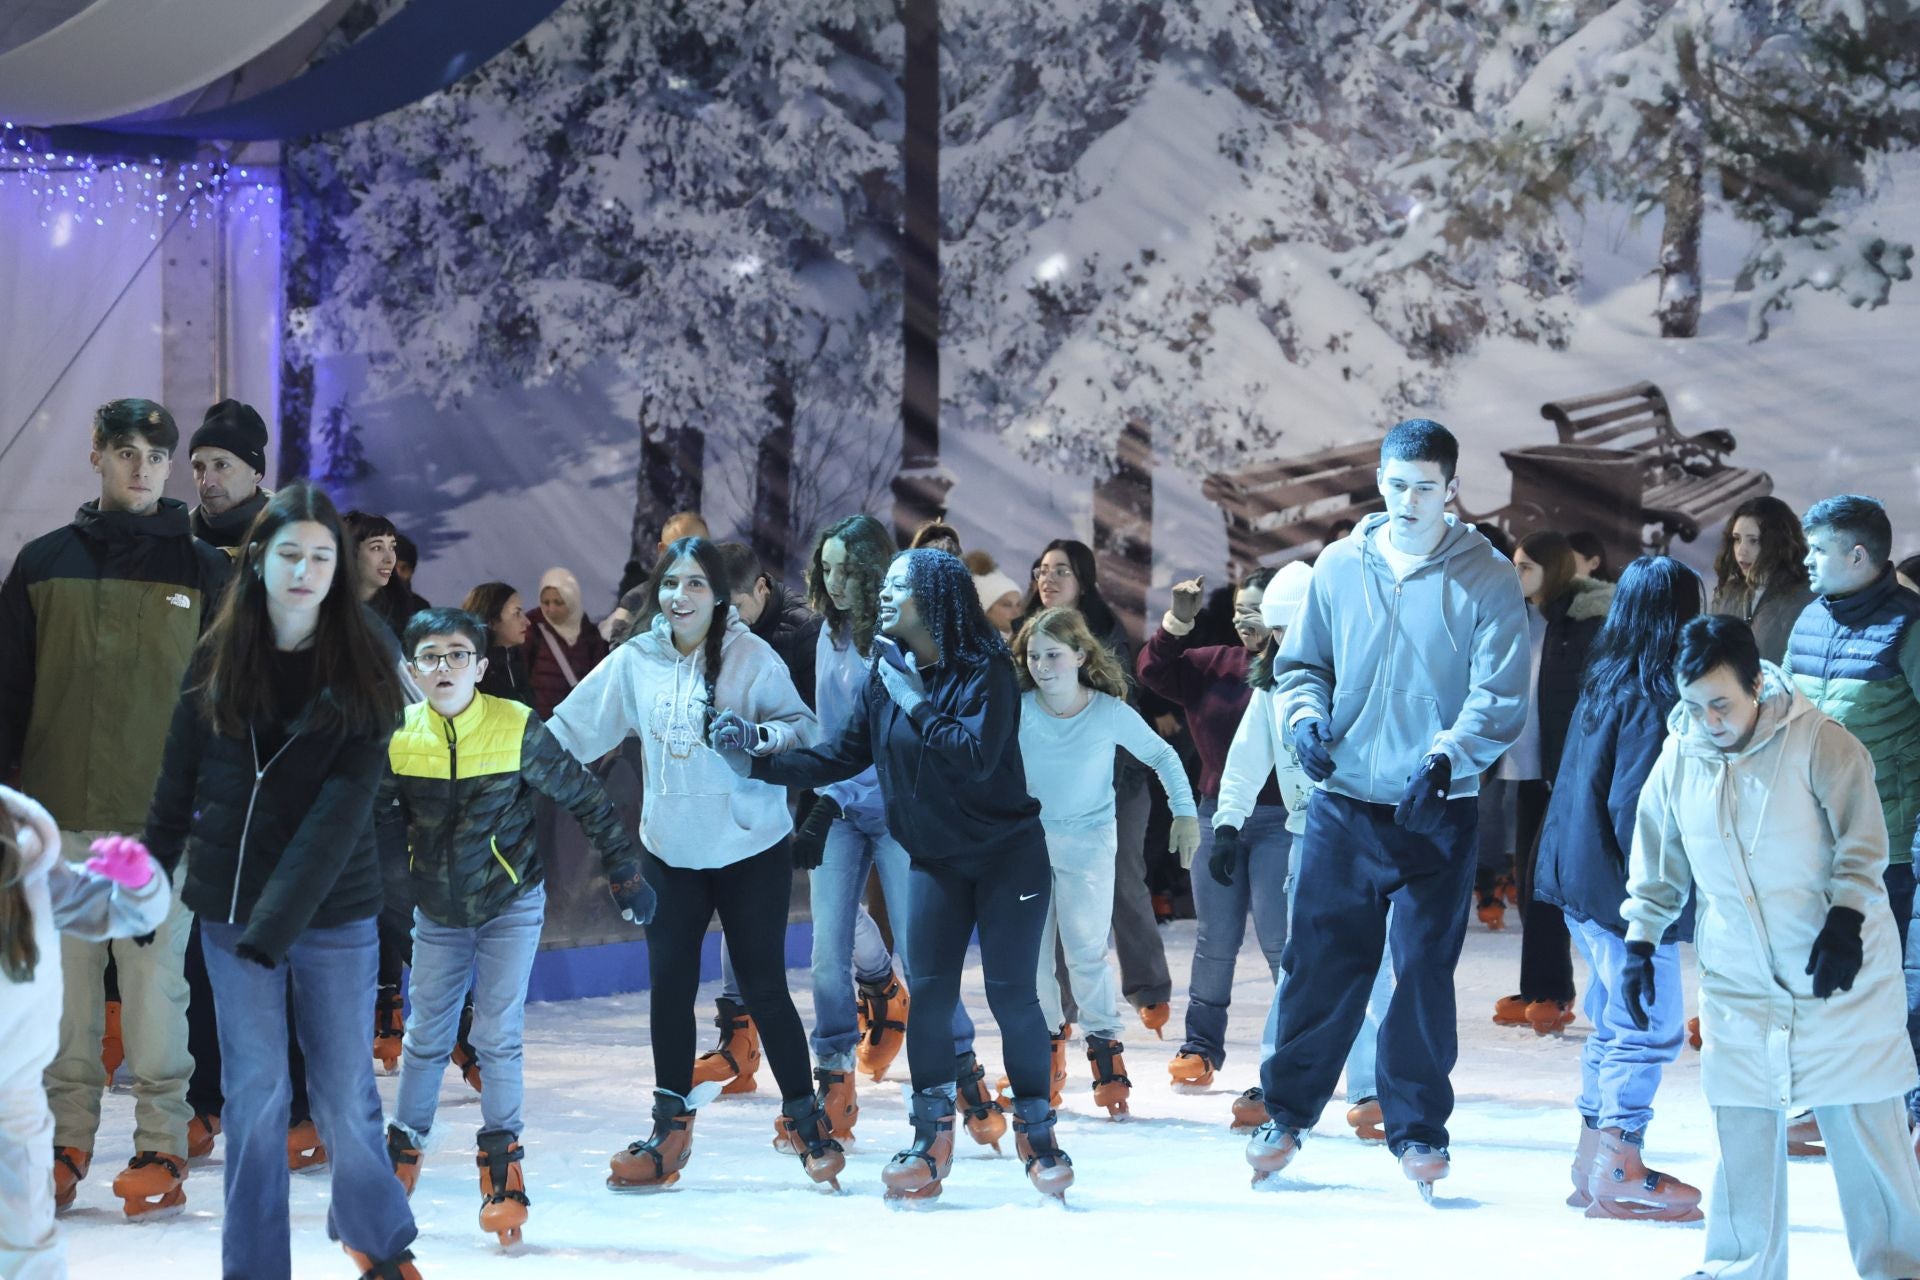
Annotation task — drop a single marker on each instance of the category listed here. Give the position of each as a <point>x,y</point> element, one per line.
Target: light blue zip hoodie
<point>1435,662</point>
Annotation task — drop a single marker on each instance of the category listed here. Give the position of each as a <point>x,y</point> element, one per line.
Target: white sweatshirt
<point>1069,761</point>
<point>1259,748</point>
<point>697,812</point>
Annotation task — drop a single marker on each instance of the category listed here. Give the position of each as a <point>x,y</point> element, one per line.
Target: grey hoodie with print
<point>1400,669</point>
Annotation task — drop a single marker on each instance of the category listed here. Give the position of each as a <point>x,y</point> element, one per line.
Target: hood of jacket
<point>229,529</point>
<point>1780,704</point>
<point>1588,598</point>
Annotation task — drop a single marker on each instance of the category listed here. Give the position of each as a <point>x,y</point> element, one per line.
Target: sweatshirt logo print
<point>677,724</point>
<point>179,601</point>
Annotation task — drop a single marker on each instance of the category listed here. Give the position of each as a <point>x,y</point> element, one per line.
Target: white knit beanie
<point>1285,593</point>
<point>992,585</point>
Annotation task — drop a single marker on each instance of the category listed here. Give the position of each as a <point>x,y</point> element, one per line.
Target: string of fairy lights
<point>74,190</point>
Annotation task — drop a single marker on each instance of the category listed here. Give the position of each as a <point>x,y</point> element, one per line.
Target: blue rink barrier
<point>580,973</point>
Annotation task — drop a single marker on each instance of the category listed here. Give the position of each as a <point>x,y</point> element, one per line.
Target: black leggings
<point>1006,898</point>
<point>1546,948</point>
<point>752,897</point>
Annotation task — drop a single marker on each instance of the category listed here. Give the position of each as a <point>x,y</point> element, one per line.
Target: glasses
<point>455,661</point>
<point>1059,573</point>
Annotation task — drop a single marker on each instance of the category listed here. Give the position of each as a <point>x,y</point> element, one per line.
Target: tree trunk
<point>920,490</point>
<point>670,480</point>
<point>1123,529</point>
<point>772,535</point>
<point>1685,204</point>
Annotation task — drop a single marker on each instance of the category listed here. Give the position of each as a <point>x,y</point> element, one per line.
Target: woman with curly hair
<point>1072,718</point>
<point>1762,572</point>
<point>942,736</point>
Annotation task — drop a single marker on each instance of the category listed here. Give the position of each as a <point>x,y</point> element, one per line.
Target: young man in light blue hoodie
<point>1403,678</point>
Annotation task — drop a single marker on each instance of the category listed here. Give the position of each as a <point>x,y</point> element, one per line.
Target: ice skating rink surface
<point>1164,1194</point>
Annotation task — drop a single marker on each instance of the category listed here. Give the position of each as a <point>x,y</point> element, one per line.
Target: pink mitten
<point>121,859</point>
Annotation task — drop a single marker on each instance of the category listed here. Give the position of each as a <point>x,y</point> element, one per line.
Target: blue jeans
<point>497,959</point>
<point>837,886</point>
<point>1362,1071</point>
<point>1260,885</point>
<point>332,1007</point>
<point>1620,1064</point>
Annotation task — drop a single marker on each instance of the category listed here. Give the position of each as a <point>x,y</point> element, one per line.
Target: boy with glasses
<point>462,773</point>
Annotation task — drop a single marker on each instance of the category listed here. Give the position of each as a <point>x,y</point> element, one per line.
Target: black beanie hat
<point>238,429</point>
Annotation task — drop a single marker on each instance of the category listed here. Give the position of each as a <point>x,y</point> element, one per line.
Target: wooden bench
<point>1685,480</point>
<point>1295,502</point>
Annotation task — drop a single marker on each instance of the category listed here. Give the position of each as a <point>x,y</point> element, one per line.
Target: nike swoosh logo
<point>1028,896</point>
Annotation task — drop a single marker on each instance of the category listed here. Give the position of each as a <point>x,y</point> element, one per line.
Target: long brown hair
<point>870,550</point>
<point>356,684</point>
<point>1554,555</point>
<point>19,954</point>
<point>1065,624</point>
<point>1783,546</point>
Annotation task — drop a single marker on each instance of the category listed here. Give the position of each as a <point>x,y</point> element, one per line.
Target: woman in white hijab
<point>563,643</point>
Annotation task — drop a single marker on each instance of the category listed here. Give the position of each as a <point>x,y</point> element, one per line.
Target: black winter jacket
<point>794,632</point>
<point>280,846</point>
<point>464,791</point>
<point>1573,620</point>
<point>952,776</point>
<point>1588,831</point>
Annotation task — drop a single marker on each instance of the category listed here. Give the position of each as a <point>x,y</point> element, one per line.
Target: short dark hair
<point>743,566</point>
<point>1854,516</point>
<point>361,525</point>
<point>444,622</point>
<point>405,552</point>
<point>1587,544</point>
<point>1714,640</point>
<point>487,601</point>
<point>116,420</point>
<point>1258,578</point>
<point>932,532</point>
<point>1422,440</point>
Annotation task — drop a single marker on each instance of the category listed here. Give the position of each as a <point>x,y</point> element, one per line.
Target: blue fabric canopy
<point>419,51</point>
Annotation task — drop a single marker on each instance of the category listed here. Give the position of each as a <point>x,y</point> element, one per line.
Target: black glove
<point>1636,983</point>
<point>810,841</point>
<point>1835,960</point>
<point>1226,848</point>
<point>1423,805</point>
<point>632,894</point>
<point>1309,739</point>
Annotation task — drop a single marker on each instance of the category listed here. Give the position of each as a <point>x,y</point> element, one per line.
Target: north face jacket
<point>464,789</point>
<point>97,624</point>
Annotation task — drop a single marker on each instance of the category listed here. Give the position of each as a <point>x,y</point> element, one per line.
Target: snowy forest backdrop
<point>650,258</point>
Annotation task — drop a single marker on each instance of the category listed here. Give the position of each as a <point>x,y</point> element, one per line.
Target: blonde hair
<point>1065,624</point>
<point>19,954</point>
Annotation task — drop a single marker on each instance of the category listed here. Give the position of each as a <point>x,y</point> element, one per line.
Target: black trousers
<point>751,896</point>
<point>1005,898</point>
<point>204,1091</point>
<point>1546,949</point>
<point>1355,862</point>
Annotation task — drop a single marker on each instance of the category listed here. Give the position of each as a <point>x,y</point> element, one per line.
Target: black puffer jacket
<point>794,632</point>
<point>464,789</point>
<point>280,847</point>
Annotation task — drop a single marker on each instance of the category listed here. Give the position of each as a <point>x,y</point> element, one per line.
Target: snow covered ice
<point>1165,1194</point>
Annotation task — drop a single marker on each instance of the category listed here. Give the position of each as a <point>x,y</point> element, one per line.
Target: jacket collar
<point>1857,607</point>
<point>468,721</point>
<point>229,528</point>
<point>169,520</point>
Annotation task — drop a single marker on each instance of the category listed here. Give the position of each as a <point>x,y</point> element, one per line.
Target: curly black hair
<point>949,607</point>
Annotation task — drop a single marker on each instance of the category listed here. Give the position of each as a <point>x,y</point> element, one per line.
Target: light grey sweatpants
<point>1872,1159</point>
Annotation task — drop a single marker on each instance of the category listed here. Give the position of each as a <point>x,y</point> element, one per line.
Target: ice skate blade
<point>1426,1190</point>
<point>168,1206</point>
<point>1578,1200</point>
<point>902,1197</point>
<point>509,1238</point>
<point>629,1188</point>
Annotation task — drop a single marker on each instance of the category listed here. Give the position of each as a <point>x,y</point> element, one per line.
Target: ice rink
<point>1164,1194</point>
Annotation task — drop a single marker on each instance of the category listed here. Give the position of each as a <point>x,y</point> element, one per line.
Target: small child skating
<point>1072,717</point>
<point>463,771</point>
<point>118,895</point>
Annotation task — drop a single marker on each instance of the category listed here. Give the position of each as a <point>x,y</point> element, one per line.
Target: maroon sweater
<point>1209,682</point>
